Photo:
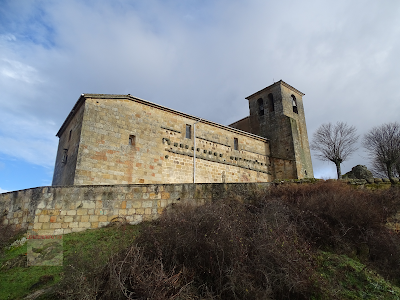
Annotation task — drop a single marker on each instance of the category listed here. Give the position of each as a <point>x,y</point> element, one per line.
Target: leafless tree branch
<point>335,143</point>
<point>383,144</point>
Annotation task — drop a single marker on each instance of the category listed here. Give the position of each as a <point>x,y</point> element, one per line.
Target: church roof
<point>275,84</point>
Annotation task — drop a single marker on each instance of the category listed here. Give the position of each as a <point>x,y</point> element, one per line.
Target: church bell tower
<point>277,113</point>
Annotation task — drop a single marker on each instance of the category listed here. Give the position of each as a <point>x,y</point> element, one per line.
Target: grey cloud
<point>205,60</point>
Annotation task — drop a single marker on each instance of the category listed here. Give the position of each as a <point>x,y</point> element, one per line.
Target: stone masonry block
<point>136,204</point>
<point>94,225</point>
<point>88,204</point>
<point>37,225</point>
<point>147,204</point>
<point>103,218</point>
<point>155,196</point>
<point>93,218</point>
<point>55,225</point>
<point>44,218</point>
<point>73,225</point>
<point>81,211</point>
<point>71,212</point>
<point>84,224</point>
<point>85,218</point>
<point>58,231</point>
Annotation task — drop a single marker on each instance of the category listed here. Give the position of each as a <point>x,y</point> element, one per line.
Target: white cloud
<point>7,37</point>
<point>3,191</point>
<point>18,71</point>
<point>28,139</point>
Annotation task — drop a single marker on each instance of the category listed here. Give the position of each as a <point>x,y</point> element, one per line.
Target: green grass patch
<point>350,279</point>
<point>94,246</point>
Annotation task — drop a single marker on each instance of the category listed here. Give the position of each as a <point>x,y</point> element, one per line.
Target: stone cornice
<point>275,84</point>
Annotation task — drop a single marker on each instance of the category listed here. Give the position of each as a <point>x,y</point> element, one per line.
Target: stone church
<point>121,139</point>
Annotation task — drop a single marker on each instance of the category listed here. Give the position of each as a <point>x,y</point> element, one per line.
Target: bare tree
<point>379,169</point>
<point>383,144</point>
<point>335,143</point>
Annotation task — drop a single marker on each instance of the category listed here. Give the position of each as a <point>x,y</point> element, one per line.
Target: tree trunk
<point>338,170</point>
<point>389,172</point>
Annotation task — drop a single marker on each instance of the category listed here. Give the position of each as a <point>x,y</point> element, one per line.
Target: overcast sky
<point>199,57</point>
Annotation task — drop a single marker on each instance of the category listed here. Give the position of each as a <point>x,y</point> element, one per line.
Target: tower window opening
<point>294,103</point>
<point>70,133</point>
<point>65,156</point>
<point>235,144</point>
<point>271,102</point>
<point>305,172</point>
<point>260,103</point>
<point>132,140</point>
<point>188,131</point>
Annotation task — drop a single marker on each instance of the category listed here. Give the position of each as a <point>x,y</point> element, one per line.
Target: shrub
<point>266,249</point>
<point>334,216</point>
<point>8,234</point>
<point>224,250</point>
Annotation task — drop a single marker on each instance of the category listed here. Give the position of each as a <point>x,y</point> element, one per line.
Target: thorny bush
<point>263,249</point>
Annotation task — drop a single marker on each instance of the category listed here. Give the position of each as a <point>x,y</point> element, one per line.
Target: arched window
<point>260,104</point>
<point>271,102</point>
<point>294,103</point>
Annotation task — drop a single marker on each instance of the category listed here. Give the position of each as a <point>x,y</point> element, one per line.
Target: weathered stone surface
<point>57,221</point>
<point>359,172</point>
<point>120,139</point>
<point>285,126</point>
<point>117,139</point>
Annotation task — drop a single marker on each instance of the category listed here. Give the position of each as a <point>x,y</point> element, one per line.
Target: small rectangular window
<point>188,131</point>
<point>132,140</point>
<point>70,133</point>
<point>235,144</point>
<point>65,156</point>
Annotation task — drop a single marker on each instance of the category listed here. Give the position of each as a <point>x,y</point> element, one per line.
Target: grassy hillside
<point>315,241</point>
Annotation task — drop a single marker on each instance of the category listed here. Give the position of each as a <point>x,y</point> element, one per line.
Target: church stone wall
<point>160,151</point>
<point>67,153</point>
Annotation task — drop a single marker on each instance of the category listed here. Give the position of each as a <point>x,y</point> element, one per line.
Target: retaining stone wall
<point>61,210</point>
